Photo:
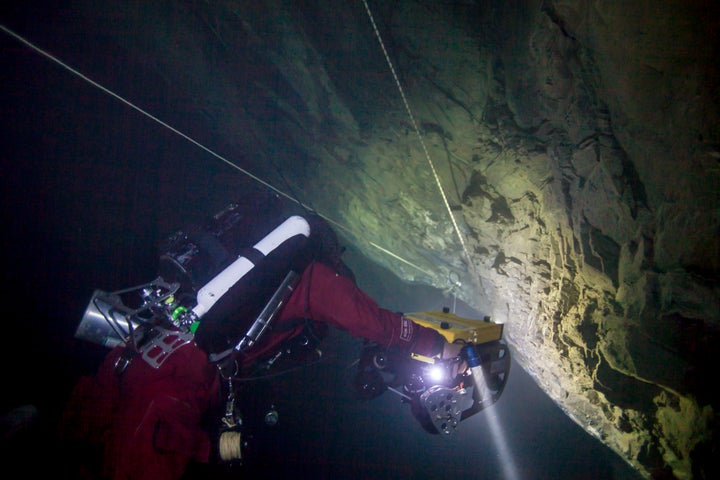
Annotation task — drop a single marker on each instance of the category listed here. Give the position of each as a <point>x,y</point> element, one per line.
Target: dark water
<point>90,187</point>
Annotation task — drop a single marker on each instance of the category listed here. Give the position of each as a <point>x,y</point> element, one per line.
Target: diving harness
<point>154,320</point>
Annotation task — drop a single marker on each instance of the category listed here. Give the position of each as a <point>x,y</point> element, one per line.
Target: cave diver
<point>233,294</point>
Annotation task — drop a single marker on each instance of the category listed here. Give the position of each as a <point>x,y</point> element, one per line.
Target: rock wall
<point>576,144</point>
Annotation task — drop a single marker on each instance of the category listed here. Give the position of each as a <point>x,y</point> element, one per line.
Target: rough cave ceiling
<point>576,143</point>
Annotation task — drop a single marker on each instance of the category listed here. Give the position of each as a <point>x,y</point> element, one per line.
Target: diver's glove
<point>451,353</point>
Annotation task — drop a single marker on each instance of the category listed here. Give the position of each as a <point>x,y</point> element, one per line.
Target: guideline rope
<point>127,102</point>
<point>419,134</point>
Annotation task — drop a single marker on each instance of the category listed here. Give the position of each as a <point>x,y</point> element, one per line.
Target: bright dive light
<point>436,373</point>
<point>508,463</point>
<point>479,380</point>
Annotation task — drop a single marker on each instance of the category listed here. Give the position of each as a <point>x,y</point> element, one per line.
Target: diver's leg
<point>147,420</point>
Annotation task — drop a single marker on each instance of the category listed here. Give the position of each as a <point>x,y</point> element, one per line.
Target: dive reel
<point>439,400</point>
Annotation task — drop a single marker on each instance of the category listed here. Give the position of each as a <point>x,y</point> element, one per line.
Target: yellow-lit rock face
<point>576,144</point>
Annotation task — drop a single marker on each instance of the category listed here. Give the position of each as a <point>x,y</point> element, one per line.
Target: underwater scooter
<point>439,400</point>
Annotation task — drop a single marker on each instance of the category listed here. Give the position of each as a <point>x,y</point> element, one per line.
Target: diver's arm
<point>325,296</point>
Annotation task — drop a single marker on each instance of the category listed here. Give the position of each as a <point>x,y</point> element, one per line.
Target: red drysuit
<point>148,421</point>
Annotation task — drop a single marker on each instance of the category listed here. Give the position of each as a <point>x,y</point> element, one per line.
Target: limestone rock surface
<point>554,163</point>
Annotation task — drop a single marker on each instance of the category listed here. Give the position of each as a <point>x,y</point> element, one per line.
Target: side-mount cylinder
<point>222,282</point>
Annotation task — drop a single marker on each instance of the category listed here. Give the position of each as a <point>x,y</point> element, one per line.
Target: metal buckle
<point>163,344</point>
